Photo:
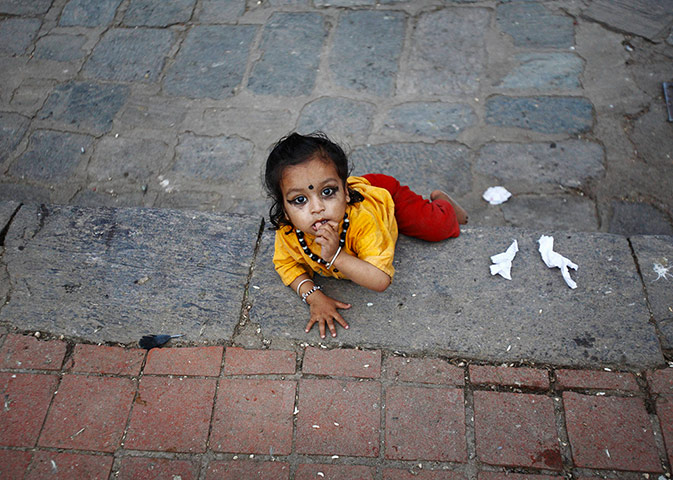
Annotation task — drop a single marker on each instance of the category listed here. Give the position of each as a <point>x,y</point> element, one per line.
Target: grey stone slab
<point>448,52</point>
<point>530,24</point>
<point>544,71</point>
<point>130,55</point>
<point>89,13</point>
<point>212,159</point>
<point>52,157</point>
<point>60,47</point>
<point>541,114</point>
<point>655,258</point>
<point>437,120</point>
<point>647,18</point>
<point>551,212</point>
<point>149,13</point>
<point>134,160</point>
<point>570,163</point>
<point>211,62</point>
<point>12,128</point>
<point>638,218</point>
<point>340,118</point>
<point>162,113</point>
<point>22,7</point>
<point>84,105</point>
<point>17,34</point>
<point>421,166</point>
<point>221,11</point>
<point>444,300</point>
<point>290,54</point>
<point>343,3</point>
<point>366,49</point>
<point>117,274</point>
<point>267,124</point>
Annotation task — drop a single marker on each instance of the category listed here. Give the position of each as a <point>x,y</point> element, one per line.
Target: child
<point>341,226</point>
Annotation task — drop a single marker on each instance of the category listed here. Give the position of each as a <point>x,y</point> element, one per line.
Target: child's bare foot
<point>461,214</point>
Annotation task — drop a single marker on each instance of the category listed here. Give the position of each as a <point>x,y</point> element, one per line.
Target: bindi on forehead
<point>310,187</point>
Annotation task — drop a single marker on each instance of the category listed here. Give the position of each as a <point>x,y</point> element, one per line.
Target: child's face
<point>313,194</point>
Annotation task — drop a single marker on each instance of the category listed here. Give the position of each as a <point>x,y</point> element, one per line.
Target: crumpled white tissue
<point>503,261</point>
<point>496,195</point>
<point>553,259</point>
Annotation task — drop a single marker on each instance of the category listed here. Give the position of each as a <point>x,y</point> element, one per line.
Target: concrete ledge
<point>443,299</point>
<point>113,275</point>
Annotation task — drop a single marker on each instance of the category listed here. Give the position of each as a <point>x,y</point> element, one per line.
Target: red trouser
<point>416,216</point>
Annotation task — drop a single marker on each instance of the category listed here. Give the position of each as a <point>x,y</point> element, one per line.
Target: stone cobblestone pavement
<point>175,103</point>
<point>95,411</point>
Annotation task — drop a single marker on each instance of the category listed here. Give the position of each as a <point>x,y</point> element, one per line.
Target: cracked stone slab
<point>290,49</point>
<point>89,13</point>
<point>561,213</point>
<point>88,106</point>
<point>570,163</point>
<point>444,300</point>
<point>212,159</point>
<point>423,167</point>
<point>151,157</point>
<point>221,11</point>
<point>21,7</point>
<point>211,62</point>
<point>638,218</point>
<point>16,35</point>
<point>655,258</point>
<point>52,157</point>
<point>130,55</point>
<point>448,52</point>
<point>113,275</point>
<point>541,114</point>
<point>149,13</point>
<point>530,24</point>
<point>647,18</point>
<point>366,49</point>
<point>339,118</point>
<point>61,47</point>
<point>544,71</point>
<point>437,120</point>
<point>12,128</point>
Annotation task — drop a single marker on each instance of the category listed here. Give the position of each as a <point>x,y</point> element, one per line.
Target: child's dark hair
<point>296,149</point>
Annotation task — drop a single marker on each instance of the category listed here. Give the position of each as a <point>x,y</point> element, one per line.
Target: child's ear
<point>348,194</point>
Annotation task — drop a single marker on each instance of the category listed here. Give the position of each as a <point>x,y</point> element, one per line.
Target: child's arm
<point>323,308</point>
<point>355,269</point>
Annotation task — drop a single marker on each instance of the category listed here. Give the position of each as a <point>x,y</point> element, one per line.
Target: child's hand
<point>327,237</point>
<point>324,311</point>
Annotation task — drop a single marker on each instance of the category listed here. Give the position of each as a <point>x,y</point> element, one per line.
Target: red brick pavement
<point>88,411</point>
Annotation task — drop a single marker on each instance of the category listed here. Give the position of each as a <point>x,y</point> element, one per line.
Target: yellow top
<point>371,236</point>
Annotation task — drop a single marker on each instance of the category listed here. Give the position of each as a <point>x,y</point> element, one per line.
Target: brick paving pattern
<point>95,411</point>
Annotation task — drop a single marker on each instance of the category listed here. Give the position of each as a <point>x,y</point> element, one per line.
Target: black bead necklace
<point>313,256</point>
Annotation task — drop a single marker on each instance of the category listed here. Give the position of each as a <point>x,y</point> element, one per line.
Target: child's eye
<point>329,191</point>
<point>300,200</point>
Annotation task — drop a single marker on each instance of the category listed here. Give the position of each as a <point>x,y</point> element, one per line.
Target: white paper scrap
<point>553,259</point>
<point>502,262</point>
<point>496,195</point>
